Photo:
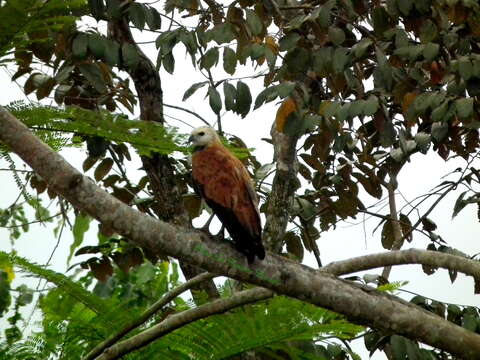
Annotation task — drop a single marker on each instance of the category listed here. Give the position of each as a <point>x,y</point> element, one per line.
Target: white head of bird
<point>203,136</point>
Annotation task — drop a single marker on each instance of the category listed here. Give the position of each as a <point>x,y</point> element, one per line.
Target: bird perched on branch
<point>223,181</point>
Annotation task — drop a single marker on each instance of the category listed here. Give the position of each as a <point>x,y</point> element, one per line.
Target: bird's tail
<point>256,250</point>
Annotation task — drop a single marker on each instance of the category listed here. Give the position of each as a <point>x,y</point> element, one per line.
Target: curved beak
<point>190,139</point>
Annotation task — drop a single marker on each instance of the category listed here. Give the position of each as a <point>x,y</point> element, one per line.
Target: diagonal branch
<point>97,350</point>
<point>360,304</point>
<point>184,318</point>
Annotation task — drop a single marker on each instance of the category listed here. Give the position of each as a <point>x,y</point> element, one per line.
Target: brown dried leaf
<point>387,235</point>
<point>88,163</point>
<point>103,169</point>
<point>102,269</point>
<point>288,107</point>
<point>294,245</point>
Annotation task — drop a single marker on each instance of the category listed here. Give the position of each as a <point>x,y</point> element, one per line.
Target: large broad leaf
<point>244,99</point>
<point>229,60</point>
<point>80,227</point>
<point>94,76</point>
<point>191,90</point>
<point>214,100</point>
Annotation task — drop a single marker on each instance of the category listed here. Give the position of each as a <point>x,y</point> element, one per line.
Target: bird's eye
<point>201,133</point>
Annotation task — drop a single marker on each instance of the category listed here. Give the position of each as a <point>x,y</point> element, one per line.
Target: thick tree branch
<point>284,185</point>
<point>169,202</point>
<point>97,350</point>
<point>403,257</point>
<point>176,321</point>
<point>360,304</point>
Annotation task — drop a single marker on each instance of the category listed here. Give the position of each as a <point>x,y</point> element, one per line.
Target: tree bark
<point>360,304</point>
<point>168,197</point>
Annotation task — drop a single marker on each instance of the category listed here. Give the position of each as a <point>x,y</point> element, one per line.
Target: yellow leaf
<point>323,107</point>
<point>407,100</point>
<point>8,269</point>
<point>272,44</point>
<point>288,106</point>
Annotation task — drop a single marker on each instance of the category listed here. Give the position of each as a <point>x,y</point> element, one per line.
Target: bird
<point>222,180</point>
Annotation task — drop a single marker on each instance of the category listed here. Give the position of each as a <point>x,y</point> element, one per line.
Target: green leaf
<point>428,31</point>
<point>5,297</point>
<point>422,102</point>
<point>96,44</point>
<point>361,48</point>
<point>289,41</point>
<point>136,13</point>
<point>63,73</point>
<point>112,52</point>
<point>222,33</point>
<point>439,131</point>
<point>430,51</point>
<point>214,100</point>
<point>399,346</point>
<point>285,89</point>
<point>423,141</point>
<point>257,51</point>
<point>168,62</point>
<point>298,60</point>
<point>254,22</point>
<point>79,46</point>
<point>324,15</point>
<point>113,9</point>
<point>191,90</point>
<point>153,18</point>
<point>459,204</point>
<point>94,76</point>
<point>405,6</point>
<point>266,96</point>
<point>229,60</point>
<point>244,99</point>
<point>341,58</point>
<point>210,58</point>
<point>130,56</point>
<point>370,106</point>
<point>97,8</point>
<point>469,322</point>
<point>25,297</point>
<point>465,68</point>
<point>439,112</point>
<point>80,227</point>
<point>336,35</point>
<point>230,96</point>
<point>464,108</point>
<point>381,20</point>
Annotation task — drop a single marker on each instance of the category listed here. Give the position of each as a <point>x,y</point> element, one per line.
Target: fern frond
<point>11,165</point>
<point>270,325</point>
<point>145,136</point>
<point>92,302</point>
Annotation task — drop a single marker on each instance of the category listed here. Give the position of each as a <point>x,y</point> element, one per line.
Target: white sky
<point>346,241</point>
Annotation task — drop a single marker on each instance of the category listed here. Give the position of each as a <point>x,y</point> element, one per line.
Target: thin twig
<point>188,111</point>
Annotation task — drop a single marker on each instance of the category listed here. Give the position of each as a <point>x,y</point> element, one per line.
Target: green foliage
<point>278,326</point>
<point>28,23</point>
<point>146,137</point>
